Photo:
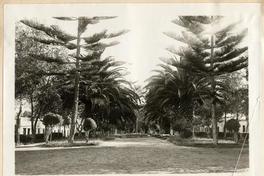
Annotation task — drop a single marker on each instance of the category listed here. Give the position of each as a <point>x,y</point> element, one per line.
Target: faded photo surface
<point>131,89</point>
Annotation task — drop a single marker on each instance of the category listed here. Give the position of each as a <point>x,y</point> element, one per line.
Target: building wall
<point>242,128</point>
<point>25,127</point>
<point>242,122</point>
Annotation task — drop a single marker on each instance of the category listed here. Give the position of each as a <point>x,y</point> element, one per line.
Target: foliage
<point>210,58</point>
<point>75,67</point>
<point>237,97</point>
<point>89,124</point>
<point>180,125</point>
<point>51,119</point>
<point>186,133</point>
<point>232,125</point>
<point>38,90</point>
<point>170,96</point>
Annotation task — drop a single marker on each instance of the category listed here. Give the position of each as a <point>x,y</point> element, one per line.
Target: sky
<point>145,44</point>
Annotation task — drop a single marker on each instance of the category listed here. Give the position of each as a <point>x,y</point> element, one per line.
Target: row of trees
<point>65,74</point>
<point>61,73</point>
<point>202,77</point>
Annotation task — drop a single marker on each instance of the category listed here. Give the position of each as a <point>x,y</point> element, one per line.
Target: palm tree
<point>108,92</point>
<point>171,93</point>
<point>105,93</point>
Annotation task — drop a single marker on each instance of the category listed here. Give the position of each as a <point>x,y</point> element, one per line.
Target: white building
<point>25,127</point>
<point>242,121</point>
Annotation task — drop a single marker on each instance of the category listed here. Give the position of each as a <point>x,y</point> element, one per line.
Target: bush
<point>201,134</point>
<point>89,124</point>
<point>177,140</point>
<point>108,138</point>
<point>186,133</point>
<point>57,136</point>
<point>79,136</point>
<point>39,138</point>
<point>160,136</point>
<point>181,124</point>
<point>25,139</point>
<point>135,135</point>
<point>232,125</point>
<point>51,119</point>
<point>221,135</point>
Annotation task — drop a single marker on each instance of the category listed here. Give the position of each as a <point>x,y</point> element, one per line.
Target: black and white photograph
<point>153,89</point>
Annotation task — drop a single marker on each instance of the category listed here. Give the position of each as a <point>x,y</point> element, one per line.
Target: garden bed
<point>203,142</point>
<point>66,144</point>
<point>131,135</point>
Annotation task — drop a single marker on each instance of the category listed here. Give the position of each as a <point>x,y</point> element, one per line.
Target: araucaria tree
<point>210,50</point>
<point>76,59</point>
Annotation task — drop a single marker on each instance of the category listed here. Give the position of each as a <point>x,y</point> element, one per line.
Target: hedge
<point>26,139</point>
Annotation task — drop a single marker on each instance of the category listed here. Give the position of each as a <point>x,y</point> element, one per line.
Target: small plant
<point>50,120</point>
<point>88,125</point>
<point>233,126</point>
<point>186,133</point>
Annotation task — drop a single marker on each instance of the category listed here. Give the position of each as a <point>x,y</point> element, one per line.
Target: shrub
<point>186,133</point>
<point>221,135</point>
<point>160,136</point>
<point>51,119</point>
<point>39,138</point>
<point>232,125</point>
<point>25,139</point>
<point>89,124</point>
<point>181,124</point>
<point>57,136</point>
<point>201,134</point>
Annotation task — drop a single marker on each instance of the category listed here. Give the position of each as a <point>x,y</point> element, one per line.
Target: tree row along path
<point>130,156</point>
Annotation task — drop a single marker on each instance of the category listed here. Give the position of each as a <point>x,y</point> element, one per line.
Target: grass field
<point>135,155</point>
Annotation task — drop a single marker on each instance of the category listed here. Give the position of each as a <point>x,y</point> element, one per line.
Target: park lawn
<point>130,159</point>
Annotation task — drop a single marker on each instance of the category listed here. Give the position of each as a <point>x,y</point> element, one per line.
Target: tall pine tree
<point>209,54</point>
<point>80,60</point>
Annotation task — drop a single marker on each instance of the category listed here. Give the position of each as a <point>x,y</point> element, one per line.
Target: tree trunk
<point>171,129</point>
<point>208,131</point>
<point>236,132</point>
<point>247,126</point>
<point>51,134</point>
<point>193,132</point>
<point>136,128</point>
<point>18,124</point>
<point>32,111</point>
<point>76,89</point>
<point>47,134</point>
<point>64,130</point>
<point>214,126</point>
<point>213,105</point>
<point>87,136</point>
<point>193,122</point>
<point>236,137</point>
<point>34,129</point>
<point>225,126</point>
